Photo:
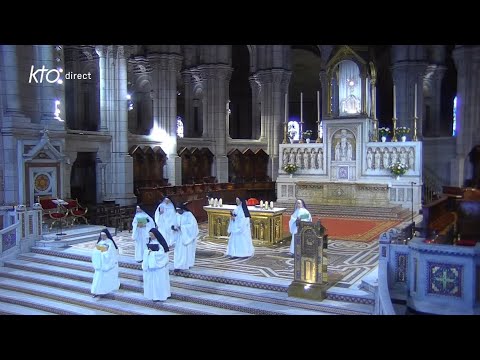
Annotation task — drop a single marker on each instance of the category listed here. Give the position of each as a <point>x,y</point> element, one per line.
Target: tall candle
<point>394,103</point>
<point>318,105</point>
<point>301,107</point>
<point>415,111</point>
<point>286,107</point>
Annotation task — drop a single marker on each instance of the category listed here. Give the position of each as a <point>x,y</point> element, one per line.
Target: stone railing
<point>383,302</point>
<point>309,158</point>
<point>9,242</point>
<point>379,156</point>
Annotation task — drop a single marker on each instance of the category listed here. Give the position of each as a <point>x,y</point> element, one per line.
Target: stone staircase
<point>57,281</point>
<point>70,236</point>
<point>393,212</point>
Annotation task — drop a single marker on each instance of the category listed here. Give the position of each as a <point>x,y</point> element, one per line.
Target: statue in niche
<point>285,157</point>
<point>344,147</point>
<point>350,105</point>
<point>291,157</point>
<point>313,156</point>
<point>411,158</point>
<point>377,159</point>
<point>298,160</point>
<point>394,156</point>
<point>320,158</point>
<point>305,159</point>
<point>403,156</point>
<point>386,155</point>
<point>369,158</point>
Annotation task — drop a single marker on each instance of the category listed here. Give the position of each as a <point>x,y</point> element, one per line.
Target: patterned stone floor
<point>349,261</point>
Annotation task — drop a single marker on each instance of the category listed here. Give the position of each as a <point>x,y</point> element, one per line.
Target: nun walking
<point>240,242</point>
<point>186,241</point>
<point>156,277</point>
<point>141,225</point>
<point>165,217</point>
<point>105,263</point>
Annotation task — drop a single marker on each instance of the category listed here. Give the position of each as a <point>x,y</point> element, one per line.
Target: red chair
<point>77,211</point>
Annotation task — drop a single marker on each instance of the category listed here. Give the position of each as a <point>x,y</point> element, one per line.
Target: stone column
<point>436,99</point>
<point>467,61</point>
<point>256,109</point>
<point>216,80</point>
<point>114,114</point>
<point>274,84</point>
<point>164,82</point>
<point>408,69</point>
<point>188,90</point>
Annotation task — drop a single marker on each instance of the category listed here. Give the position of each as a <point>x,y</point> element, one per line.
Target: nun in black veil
<point>155,265</point>
<point>240,242</point>
<point>105,263</point>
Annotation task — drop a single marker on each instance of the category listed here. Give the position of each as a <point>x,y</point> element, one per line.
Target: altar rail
<point>197,194</point>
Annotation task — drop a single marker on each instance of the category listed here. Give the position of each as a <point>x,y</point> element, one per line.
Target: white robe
<point>240,242</point>
<point>186,241</point>
<point>165,221</point>
<point>304,215</point>
<point>140,234</point>
<point>156,278</point>
<point>105,278</point>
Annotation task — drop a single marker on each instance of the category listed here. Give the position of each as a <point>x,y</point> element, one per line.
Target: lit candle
<point>286,107</point>
<point>415,109</point>
<point>301,107</point>
<point>394,103</point>
<point>318,105</point>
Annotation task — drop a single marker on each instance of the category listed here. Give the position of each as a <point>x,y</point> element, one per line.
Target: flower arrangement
<point>398,168</point>
<point>384,131</point>
<point>307,134</point>
<point>402,131</point>
<point>290,168</point>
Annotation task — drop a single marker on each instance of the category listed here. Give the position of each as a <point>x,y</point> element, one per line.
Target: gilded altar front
<point>266,225</point>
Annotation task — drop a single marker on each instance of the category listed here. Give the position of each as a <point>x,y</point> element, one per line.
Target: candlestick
<point>394,103</point>
<point>300,139</point>
<point>286,107</point>
<point>414,138</point>
<point>285,122</point>
<point>318,105</point>
<point>394,133</point>
<point>415,111</point>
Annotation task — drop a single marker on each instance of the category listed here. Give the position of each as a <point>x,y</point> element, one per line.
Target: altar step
<point>71,235</point>
<point>58,282</point>
<point>394,212</point>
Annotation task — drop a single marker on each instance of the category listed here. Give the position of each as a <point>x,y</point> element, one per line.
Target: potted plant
<point>290,169</point>
<point>307,134</point>
<point>402,132</point>
<point>383,132</point>
<point>398,169</point>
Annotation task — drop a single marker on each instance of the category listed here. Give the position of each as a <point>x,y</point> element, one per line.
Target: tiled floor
<point>348,261</point>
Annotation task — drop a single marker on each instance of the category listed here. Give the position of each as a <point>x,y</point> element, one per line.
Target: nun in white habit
<point>156,277</point>
<point>105,263</point>
<point>186,241</point>
<point>240,242</point>
<point>166,217</point>
<point>301,214</point>
<point>141,225</point>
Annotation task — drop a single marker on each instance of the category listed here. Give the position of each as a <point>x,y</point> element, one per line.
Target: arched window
<point>454,130</point>
<point>179,127</point>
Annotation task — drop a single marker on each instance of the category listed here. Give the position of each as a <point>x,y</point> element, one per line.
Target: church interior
<point>379,142</point>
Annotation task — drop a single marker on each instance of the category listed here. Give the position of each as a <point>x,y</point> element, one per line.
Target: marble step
<point>222,277</point>
<point>30,295</point>
<point>7,308</point>
<point>211,288</point>
<point>71,235</point>
<point>119,302</point>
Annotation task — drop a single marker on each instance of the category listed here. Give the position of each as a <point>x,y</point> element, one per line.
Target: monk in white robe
<point>240,242</point>
<point>301,214</point>
<point>105,263</point>
<point>166,217</point>
<point>156,277</point>
<point>186,241</point>
<point>141,225</point>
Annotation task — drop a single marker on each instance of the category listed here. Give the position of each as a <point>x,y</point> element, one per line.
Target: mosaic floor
<point>349,261</point>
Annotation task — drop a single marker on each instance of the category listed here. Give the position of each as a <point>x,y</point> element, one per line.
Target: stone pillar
<point>274,84</point>
<point>165,69</point>
<point>113,82</point>
<point>325,85</point>
<point>436,101</point>
<point>467,61</point>
<point>408,69</point>
<point>189,114</point>
<point>102,68</point>
<point>216,80</point>
<point>256,109</point>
